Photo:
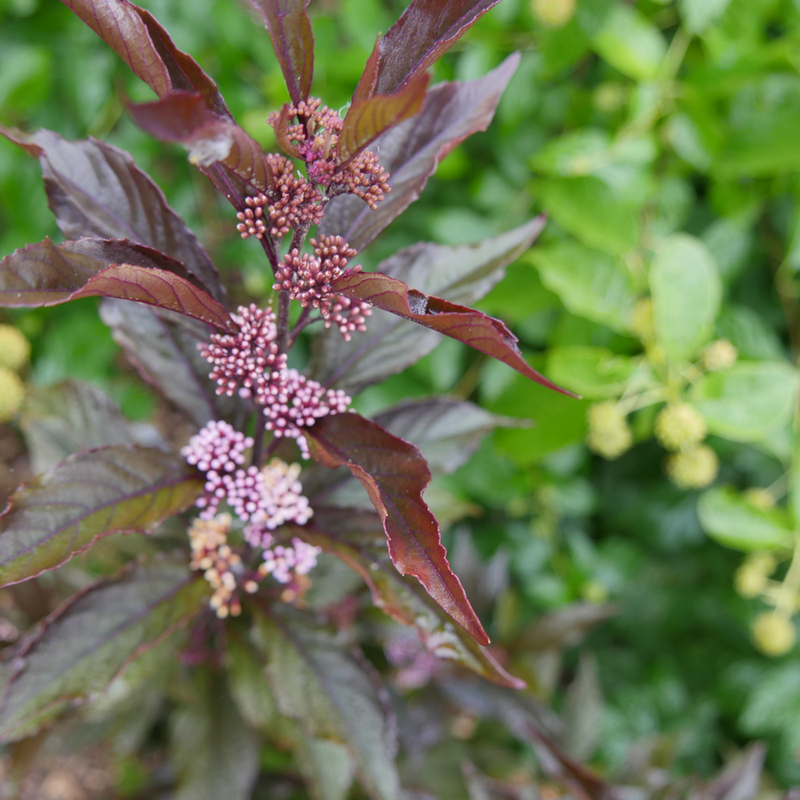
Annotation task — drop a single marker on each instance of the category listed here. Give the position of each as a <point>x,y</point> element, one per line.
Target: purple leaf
<point>369,78</point>
<point>290,31</point>
<point>86,496</point>
<point>143,44</point>
<point>395,475</point>
<point>368,118</point>
<point>44,275</point>
<point>486,334</point>
<point>426,30</point>
<point>183,117</point>
<point>79,649</point>
<point>411,151</point>
<point>95,189</point>
<point>339,531</point>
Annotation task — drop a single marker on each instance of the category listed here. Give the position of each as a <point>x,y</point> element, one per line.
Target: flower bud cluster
<point>285,562</point>
<point>680,427</point>
<point>14,353</point>
<point>609,434</point>
<point>692,468</point>
<point>719,355</point>
<point>773,633</point>
<point>751,578</point>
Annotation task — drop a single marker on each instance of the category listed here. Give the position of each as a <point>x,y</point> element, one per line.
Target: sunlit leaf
<point>593,372</point>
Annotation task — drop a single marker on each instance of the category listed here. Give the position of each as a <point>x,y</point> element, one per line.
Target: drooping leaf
<point>214,751</point>
<point>748,401</point>
<point>395,475</point>
<point>367,119</point>
<point>426,30</point>
<point>95,635</point>
<point>290,31</point>
<point>163,348</point>
<point>61,420</point>
<point>686,288</point>
<point>319,683</point>
<point>183,117</point>
<point>462,274</point>
<point>411,151</point>
<point>86,496</point>
<point>95,189</point>
<point>728,518</point>
<point>486,334</point>
<point>146,47</point>
<point>340,531</point>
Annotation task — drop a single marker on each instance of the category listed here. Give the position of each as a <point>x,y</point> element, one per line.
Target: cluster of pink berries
<point>285,562</point>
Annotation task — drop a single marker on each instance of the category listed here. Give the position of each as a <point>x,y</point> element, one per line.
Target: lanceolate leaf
<point>369,118</point>
<point>95,189</point>
<point>86,496</point>
<point>426,30</point>
<point>411,151</point>
<point>136,36</point>
<point>80,648</point>
<point>320,684</point>
<point>290,31</point>
<point>462,274</point>
<point>334,530</point>
<point>395,475</point>
<point>484,333</point>
<point>183,117</point>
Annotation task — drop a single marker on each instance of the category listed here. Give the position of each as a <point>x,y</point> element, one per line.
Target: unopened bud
<point>773,634</point>
<point>14,347</point>
<point>553,13</point>
<point>12,393</point>
<point>679,426</point>
<point>642,324</point>
<point>719,355</point>
<point>609,434</point>
<point>694,468</point>
<point>749,581</point>
<point>760,498</point>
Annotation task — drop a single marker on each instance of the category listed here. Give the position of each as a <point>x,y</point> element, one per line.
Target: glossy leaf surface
<point>82,646</point>
<point>395,475</point>
<point>97,190</point>
<point>290,31</point>
<point>86,496</point>
<point>486,334</point>
<point>426,30</point>
<point>411,151</point>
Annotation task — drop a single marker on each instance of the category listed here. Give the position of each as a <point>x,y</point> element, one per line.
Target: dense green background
<point>687,118</point>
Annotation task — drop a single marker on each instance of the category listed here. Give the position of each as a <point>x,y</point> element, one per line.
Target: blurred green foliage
<point>626,123</point>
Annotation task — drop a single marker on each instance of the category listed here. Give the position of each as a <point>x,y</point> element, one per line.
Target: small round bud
<point>773,634</point>
<point>760,498</point>
<point>694,468</point>
<point>609,434</point>
<point>719,355</point>
<point>749,581</point>
<point>642,324</point>
<point>553,13</point>
<point>15,349</point>
<point>12,393</point>
<point>679,426</point>
<point>594,592</point>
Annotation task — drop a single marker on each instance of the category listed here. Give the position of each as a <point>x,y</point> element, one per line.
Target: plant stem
<point>302,323</point>
<point>282,323</point>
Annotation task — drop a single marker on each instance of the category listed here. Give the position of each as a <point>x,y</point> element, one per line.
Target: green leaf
<point>630,43</point>
<point>327,767</point>
<point>592,372</point>
<point>731,520</point>
<point>94,636</point>
<point>697,16</point>
<point>249,687</point>
<point>319,683</point>
<point>213,750</point>
<point>571,153</point>
<point>686,290</point>
<point>590,210</point>
<point>749,401</point>
<point>590,284</point>
<point>86,496</point>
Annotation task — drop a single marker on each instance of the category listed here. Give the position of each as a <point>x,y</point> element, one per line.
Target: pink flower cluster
<point>284,562</point>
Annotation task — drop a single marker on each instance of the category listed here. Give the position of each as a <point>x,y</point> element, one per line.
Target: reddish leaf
<point>465,324</point>
<point>369,78</point>
<point>339,531</point>
<point>369,118</point>
<point>86,496</point>
<point>95,189</point>
<point>426,30</point>
<point>282,133</point>
<point>155,287</point>
<point>411,151</point>
<point>183,117</point>
<point>395,475</point>
<point>137,37</point>
<point>290,31</point>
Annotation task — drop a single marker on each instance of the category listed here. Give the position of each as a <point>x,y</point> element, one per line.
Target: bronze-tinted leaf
<point>339,531</point>
<point>86,496</point>
<point>97,190</point>
<point>369,78</point>
<point>367,119</point>
<point>183,117</point>
<point>290,31</point>
<point>486,334</point>
<point>80,648</point>
<point>411,151</point>
<point>395,475</point>
<point>426,30</point>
